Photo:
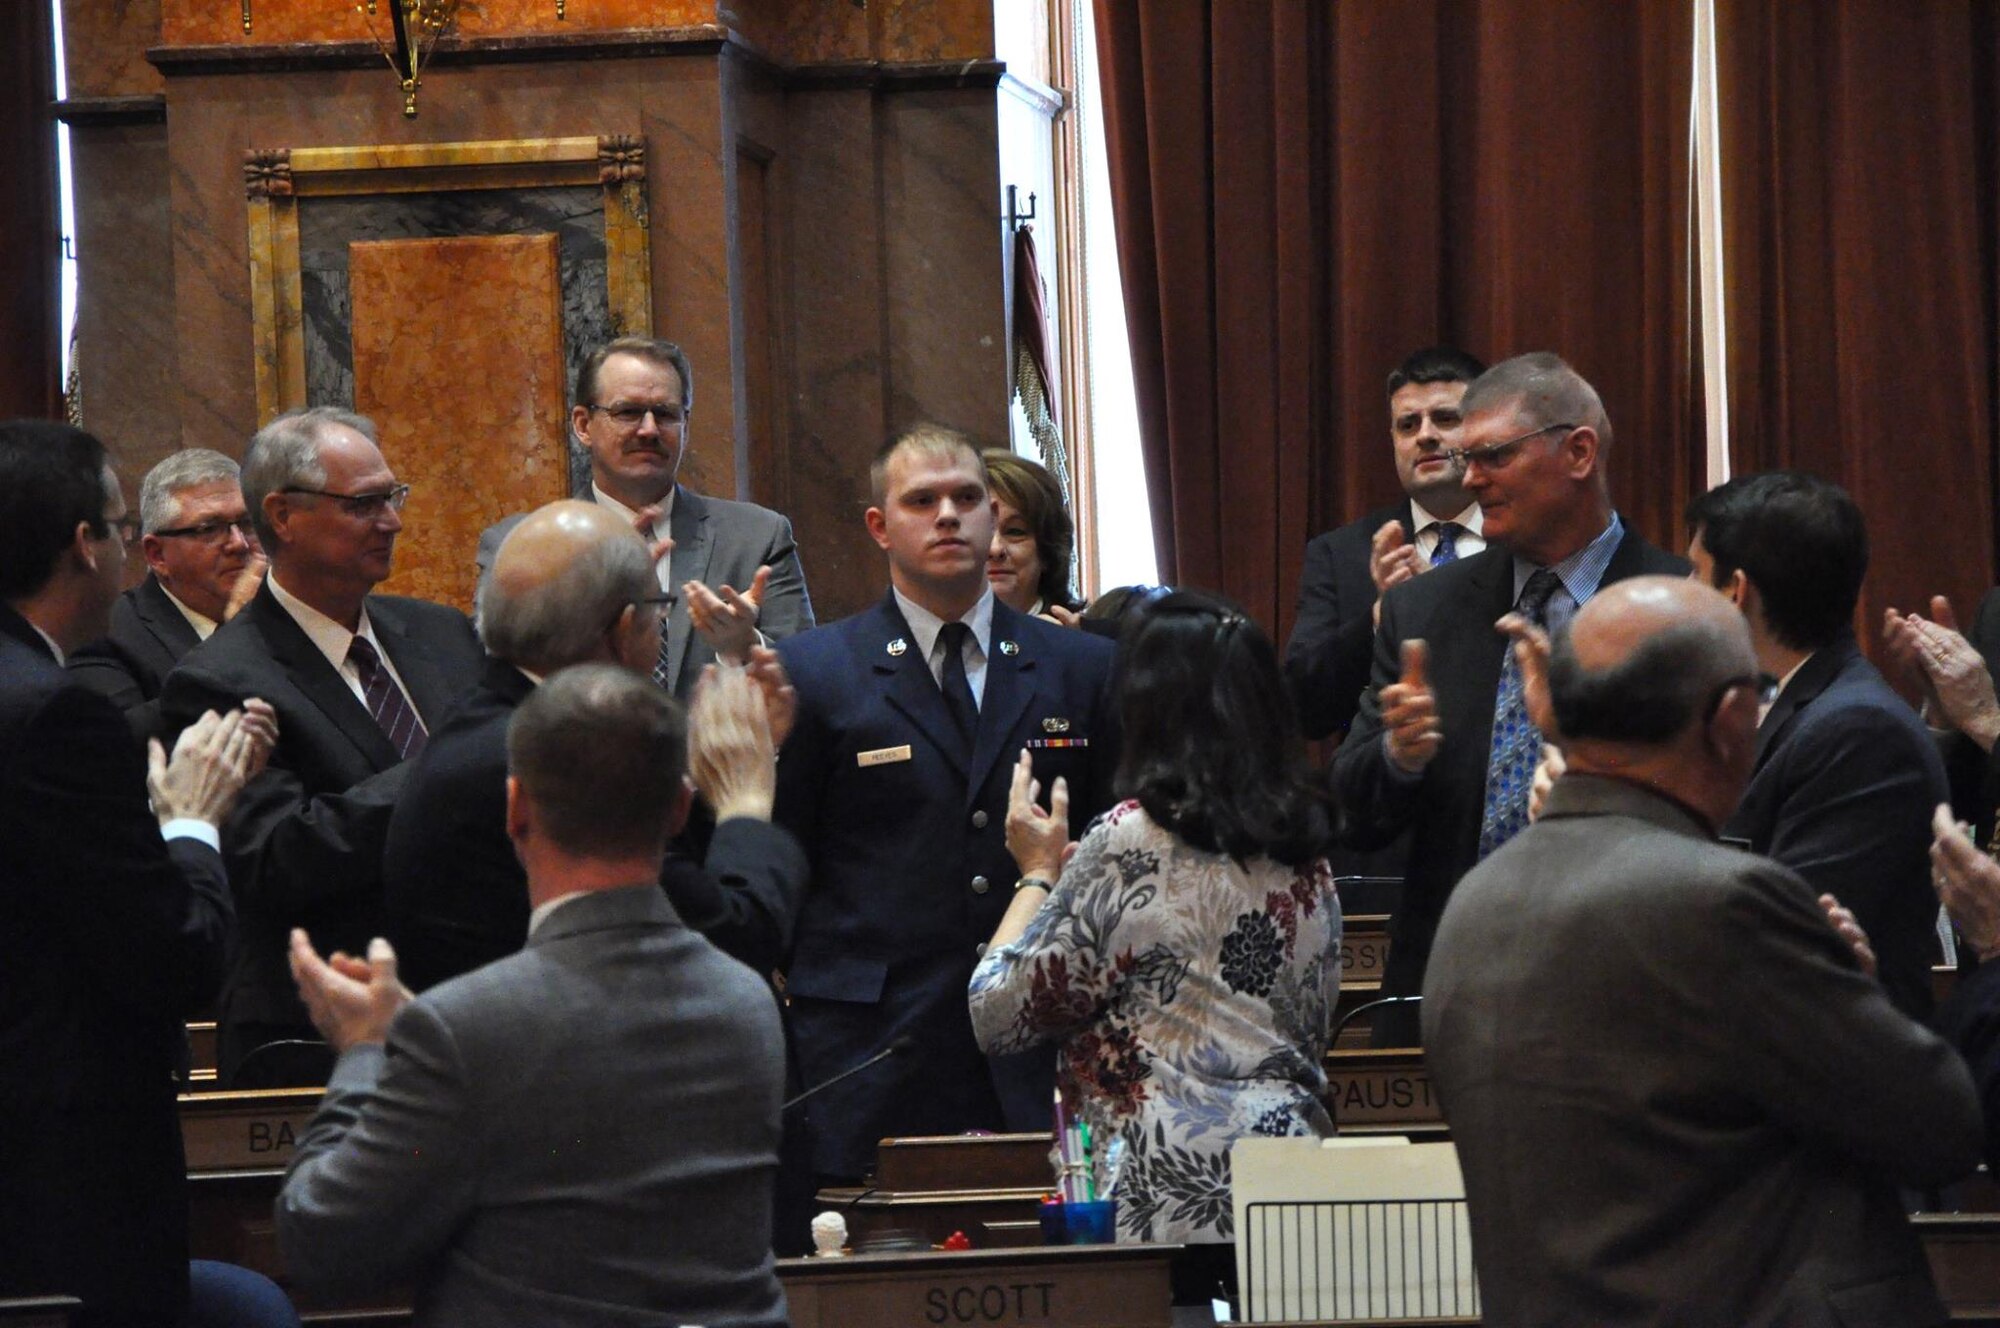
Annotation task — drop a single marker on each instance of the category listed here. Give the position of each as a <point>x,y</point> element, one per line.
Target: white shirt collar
<point>1471,518</point>
<point>54,649</point>
<point>666,506</point>
<point>925,625</point>
<point>332,639</point>
<point>204,626</point>
<point>548,906</point>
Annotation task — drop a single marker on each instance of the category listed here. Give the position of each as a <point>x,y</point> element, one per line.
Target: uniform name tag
<point>882,756</point>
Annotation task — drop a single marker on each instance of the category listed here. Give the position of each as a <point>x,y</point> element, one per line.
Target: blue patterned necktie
<point>1447,546</point>
<point>1517,743</point>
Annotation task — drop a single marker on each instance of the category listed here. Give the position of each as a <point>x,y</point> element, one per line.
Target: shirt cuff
<point>187,827</point>
<point>1399,777</point>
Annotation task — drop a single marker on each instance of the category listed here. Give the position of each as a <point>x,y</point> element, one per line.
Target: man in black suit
<point>572,584</point>
<point>1443,746</point>
<point>197,540</point>
<point>895,778</point>
<point>357,679</point>
<point>1346,570</point>
<point>1846,776</point>
<point>113,917</point>
<point>634,397</point>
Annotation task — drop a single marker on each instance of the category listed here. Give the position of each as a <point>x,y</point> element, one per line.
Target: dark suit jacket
<point>1845,781</point>
<point>109,938</point>
<point>583,1133</point>
<point>304,844</point>
<point>1453,608</point>
<point>1971,1020</point>
<point>910,869</point>
<point>716,542</point>
<point>1326,659</point>
<point>148,637</point>
<point>454,894</point>
<point>1676,1098</point>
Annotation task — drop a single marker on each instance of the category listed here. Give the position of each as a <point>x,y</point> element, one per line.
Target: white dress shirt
<point>926,626</point>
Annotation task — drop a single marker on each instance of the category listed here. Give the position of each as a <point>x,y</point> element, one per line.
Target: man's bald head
<point>562,579</point>
<point>1644,659</point>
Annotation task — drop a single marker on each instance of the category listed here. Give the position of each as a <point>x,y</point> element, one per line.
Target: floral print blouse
<point>1191,1001</point>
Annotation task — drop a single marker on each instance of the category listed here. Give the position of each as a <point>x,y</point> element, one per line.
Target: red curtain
<point>30,234</point>
<point>1859,199</point>
<point>1305,192</point>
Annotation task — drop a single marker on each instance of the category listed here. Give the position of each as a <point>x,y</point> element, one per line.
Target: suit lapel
<point>317,679</point>
<point>168,625</point>
<point>429,688</point>
<point>1010,685</point>
<point>14,625</point>
<point>693,544</point>
<point>1813,677</point>
<point>907,683</point>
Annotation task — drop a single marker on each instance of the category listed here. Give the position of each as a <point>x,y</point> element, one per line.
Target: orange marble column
<point>458,358</point>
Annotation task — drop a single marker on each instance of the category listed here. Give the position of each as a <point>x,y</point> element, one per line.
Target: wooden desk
<point>1964,1253</point>
<point>38,1311</point>
<point>1079,1286</point>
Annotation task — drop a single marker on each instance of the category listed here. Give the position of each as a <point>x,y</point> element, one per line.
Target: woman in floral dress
<point>1186,958</point>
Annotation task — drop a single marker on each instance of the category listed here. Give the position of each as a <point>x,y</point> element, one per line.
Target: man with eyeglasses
<point>197,540</point>
<point>1677,1095</point>
<point>1442,746</point>
<point>634,396</point>
<point>358,680</point>
<point>1846,775</point>
<point>1346,570</point>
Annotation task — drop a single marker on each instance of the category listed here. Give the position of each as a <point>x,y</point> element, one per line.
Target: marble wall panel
<point>104,47</point>
<point>943,239</point>
<point>126,361</point>
<point>457,358</point>
<point>808,32</point>
<point>215,117</point>
<point>931,29</point>
<point>275,22</point>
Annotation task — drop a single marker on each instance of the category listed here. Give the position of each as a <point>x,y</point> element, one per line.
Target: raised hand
<point>726,618</point>
<point>1409,712</point>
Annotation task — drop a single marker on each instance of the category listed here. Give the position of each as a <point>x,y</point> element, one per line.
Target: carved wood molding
<point>621,157</point>
<point>267,172</point>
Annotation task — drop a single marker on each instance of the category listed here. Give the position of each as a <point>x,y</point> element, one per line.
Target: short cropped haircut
<point>600,751</point>
<point>1435,364</point>
<point>933,440</point>
<point>160,493</point>
<point>1801,541</point>
<point>1651,695</point>
<point>562,621</point>
<point>284,454</point>
<point>653,350</point>
<point>51,479</point>
<point>1543,390</point>
<point>1028,488</point>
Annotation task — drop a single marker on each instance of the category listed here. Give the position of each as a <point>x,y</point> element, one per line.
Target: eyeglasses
<point>1766,685</point>
<point>630,417</point>
<point>664,601</point>
<point>211,532</point>
<point>1494,456</point>
<point>126,528</point>
<point>362,506</point>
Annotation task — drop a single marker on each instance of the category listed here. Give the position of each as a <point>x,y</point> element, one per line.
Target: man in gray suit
<point>582,1133</point>
<point>1677,1096</point>
<point>633,399</point>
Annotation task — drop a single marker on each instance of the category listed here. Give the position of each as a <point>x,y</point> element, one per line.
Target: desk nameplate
<point>242,1131</point>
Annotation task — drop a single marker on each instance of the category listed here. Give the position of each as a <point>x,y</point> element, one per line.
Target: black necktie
<point>956,686</point>
<point>397,718</point>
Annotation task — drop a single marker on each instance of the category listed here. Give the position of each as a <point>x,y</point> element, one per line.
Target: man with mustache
<point>633,399</point>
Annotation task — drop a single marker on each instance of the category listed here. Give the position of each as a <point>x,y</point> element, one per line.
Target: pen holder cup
<point>1092,1223</point>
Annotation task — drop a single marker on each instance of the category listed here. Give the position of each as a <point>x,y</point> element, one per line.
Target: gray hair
<point>559,621</point>
<point>160,492</point>
<point>284,454</point>
<point>1543,390</point>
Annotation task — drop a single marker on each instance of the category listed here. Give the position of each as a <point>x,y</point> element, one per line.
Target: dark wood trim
<point>636,43</point>
<point>146,108</point>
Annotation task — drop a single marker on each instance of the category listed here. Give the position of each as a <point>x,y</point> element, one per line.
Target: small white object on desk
<point>829,1236</point>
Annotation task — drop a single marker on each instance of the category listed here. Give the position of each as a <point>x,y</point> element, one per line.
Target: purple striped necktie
<point>390,709</point>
